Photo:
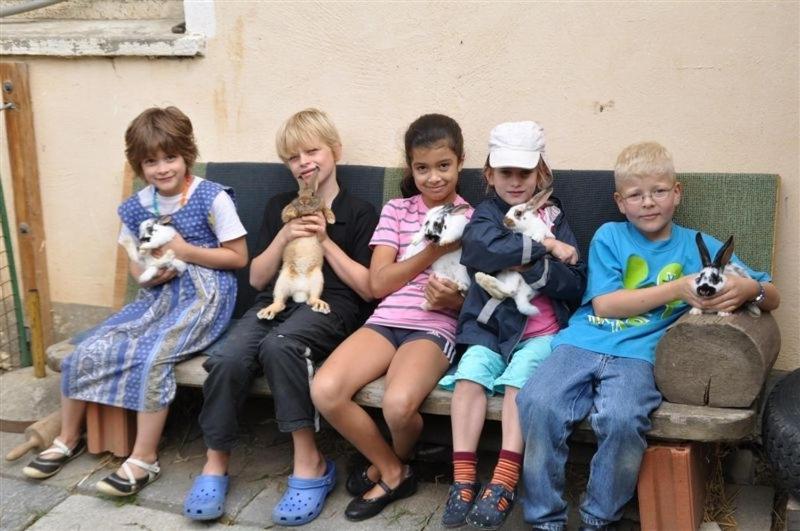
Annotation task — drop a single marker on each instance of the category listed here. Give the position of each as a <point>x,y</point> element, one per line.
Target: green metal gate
<point>13,340</point>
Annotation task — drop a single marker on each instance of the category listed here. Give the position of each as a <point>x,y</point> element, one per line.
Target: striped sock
<point>506,473</point>
<point>465,470</point>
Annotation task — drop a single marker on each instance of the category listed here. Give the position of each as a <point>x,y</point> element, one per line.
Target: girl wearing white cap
<point>504,346</point>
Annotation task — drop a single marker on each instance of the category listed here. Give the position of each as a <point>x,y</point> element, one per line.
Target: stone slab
<point>88,512</point>
<point>24,398</point>
<point>22,502</point>
<point>421,511</point>
<point>792,514</point>
<point>753,506</point>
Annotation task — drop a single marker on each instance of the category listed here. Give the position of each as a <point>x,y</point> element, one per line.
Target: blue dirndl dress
<point>128,360</point>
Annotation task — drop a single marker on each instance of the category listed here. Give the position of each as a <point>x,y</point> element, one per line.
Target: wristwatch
<point>762,294</point>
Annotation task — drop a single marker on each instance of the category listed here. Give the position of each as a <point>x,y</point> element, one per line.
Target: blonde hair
<point>303,129</point>
<point>641,160</point>
<point>166,129</point>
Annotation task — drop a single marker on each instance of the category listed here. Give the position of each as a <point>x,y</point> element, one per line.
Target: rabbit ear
<point>447,208</point>
<point>314,178</point>
<point>723,256</point>
<point>459,208</point>
<point>164,220</point>
<point>539,200</point>
<point>705,258</point>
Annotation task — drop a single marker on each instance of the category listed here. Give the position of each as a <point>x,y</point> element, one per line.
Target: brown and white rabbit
<point>443,224</point>
<point>711,278</point>
<point>523,218</point>
<point>300,276</point>
<point>153,233</point>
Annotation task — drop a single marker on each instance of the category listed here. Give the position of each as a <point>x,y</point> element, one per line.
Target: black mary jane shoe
<point>360,509</point>
<point>358,481</point>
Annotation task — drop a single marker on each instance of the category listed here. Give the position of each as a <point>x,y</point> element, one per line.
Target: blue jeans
<point>618,394</point>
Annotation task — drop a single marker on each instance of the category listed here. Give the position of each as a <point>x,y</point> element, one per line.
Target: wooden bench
<point>719,204</point>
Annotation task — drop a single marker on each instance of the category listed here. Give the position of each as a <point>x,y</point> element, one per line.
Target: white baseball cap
<point>516,145</point>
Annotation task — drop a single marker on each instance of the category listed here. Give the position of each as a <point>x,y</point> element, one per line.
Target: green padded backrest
<point>740,204</point>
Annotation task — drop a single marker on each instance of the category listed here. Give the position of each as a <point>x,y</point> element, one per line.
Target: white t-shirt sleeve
<point>224,219</point>
<point>124,233</point>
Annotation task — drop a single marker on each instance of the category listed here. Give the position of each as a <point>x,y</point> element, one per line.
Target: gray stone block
<point>753,507</point>
<point>88,512</point>
<point>23,503</point>
<point>793,515</point>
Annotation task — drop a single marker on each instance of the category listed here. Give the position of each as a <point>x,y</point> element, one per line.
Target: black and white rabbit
<point>153,233</point>
<point>523,218</point>
<point>711,278</point>
<point>443,224</point>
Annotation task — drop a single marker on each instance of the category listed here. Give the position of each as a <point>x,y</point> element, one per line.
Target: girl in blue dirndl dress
<point>128,360</point>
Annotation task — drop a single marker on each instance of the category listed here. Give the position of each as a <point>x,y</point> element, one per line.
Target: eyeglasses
<point>656,195</point>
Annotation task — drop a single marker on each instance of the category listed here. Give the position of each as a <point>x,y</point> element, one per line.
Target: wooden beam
<point>27,199</point>
<point>121,272</point>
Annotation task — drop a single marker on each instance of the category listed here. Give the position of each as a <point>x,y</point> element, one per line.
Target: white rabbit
<point>443,224</point>
<point>153,233</point>
<point>523,218</point>
<point>711,278</point>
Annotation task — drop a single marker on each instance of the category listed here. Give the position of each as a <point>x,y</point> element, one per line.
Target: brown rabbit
<point>301,273</point>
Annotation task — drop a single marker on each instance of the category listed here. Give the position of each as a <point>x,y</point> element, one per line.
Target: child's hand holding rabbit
<point>563,252</point>
<point>308,225</point>
<point>177,245</point>
<point>736,292</point>
<point>441,292</point>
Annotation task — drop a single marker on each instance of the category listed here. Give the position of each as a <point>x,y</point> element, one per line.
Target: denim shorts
<point>398,336</point>
<point>488,368</point>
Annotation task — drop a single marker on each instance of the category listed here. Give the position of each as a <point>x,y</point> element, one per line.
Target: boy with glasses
<point>641,274</point>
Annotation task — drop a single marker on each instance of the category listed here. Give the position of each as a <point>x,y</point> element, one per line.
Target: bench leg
<point>110,429</point>
<point>672,486</point>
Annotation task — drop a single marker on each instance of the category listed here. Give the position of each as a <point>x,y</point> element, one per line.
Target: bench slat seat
<point>670,421</point>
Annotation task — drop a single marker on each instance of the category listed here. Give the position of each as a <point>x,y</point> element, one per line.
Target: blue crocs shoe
<point>206,499</point>
<point>304,498</point>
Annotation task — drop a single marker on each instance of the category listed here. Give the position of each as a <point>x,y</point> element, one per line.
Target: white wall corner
<point>200,17</point>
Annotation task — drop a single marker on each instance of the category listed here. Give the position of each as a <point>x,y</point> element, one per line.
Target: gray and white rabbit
<point>523,218</point>
<point>153,233</point>
<point>711,278</point>
<point>443,224</point>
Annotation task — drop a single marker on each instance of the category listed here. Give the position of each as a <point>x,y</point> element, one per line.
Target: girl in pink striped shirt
<point>411,346</point>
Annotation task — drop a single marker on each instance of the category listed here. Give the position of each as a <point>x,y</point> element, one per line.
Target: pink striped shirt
<point>400,220</point>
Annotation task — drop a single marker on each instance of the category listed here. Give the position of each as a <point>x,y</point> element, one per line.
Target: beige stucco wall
<point>717,83</point>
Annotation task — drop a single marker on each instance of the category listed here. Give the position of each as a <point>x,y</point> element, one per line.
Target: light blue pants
<point>618,394</point>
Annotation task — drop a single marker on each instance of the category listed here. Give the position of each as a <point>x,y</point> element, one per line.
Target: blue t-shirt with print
<point>621,257</point>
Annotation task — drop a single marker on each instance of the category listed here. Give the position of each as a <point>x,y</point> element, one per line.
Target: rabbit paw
<point>271,311</point>
<point>319,305</point>
<point>695,311</point>
<point>491,285</point>
<point>724,314</point>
